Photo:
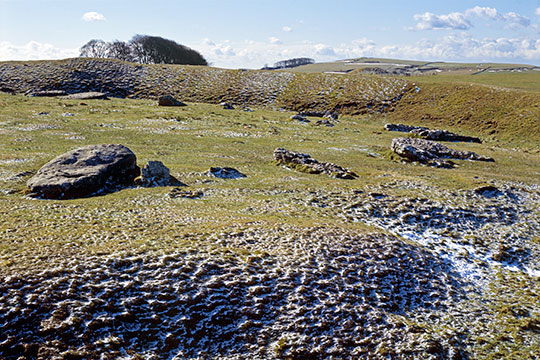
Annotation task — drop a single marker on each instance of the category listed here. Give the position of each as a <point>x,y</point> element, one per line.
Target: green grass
<point>529,81</point>
<point>189,141</point>
<point>38,234</point>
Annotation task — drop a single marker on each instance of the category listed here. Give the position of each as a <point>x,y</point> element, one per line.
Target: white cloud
<point>460,47</point>
<point>430,21</point>
<point>537,12</point>
<point>34,51</point>
<point>287,29</point>
<point>93,16</point>
<point>462,21</point>
<point>274,40</point>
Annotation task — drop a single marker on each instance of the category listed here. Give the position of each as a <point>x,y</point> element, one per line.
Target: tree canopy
<point>143,49</point>
<point>290,63</point>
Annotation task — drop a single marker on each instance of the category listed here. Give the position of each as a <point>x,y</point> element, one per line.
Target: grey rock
<point>488,191</point>
<point>305,163</point>
<point>168,100</point>
<point>225,173</point>
<point>227,106</point>
<point>86,96</point>
<point>427,151</point>
<point>85,171</point>
<point>300,118</point>
<point>186,194</point>
<point>154,173</point>
<point>324,122</point>
<point>429,134</point>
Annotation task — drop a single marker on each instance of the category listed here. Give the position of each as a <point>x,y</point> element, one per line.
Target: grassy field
<point>37,235</point>
<point>189,141</point>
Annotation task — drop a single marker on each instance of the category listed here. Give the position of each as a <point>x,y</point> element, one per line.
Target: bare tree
<point>120,50</point>
<point>94,48</point>
<point>144,49</point>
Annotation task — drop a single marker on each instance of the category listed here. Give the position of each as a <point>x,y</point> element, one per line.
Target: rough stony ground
<point>492,228</point>
<point>321,293</point>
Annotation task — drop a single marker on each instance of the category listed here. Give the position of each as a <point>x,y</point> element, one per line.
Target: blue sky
<point>249,34</point>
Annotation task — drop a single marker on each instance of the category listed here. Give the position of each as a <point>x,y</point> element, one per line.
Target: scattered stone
<point>43,113</point>
<point>168,100</point>
<point>7,90</point>
<point>324,122</point>
<point>186,194</point>
<point>47,93</point>
<point>376,195</point>
<point>428,134</point>
<point>85,171</point>
<point>332,115</point>
<point>154,173</point>
<point>227,106</point>
<point>87,96</point>
<point>305,163</point>
<point>300,118</point>
<point>431,153</point>
<point>225,173</point>
<point>68,114</point>
<point>488,191</point>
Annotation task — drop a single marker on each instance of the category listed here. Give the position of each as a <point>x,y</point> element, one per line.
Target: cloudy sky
<point>252,33</point>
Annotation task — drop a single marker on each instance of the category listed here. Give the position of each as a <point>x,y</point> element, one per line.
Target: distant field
<point>529,80</point>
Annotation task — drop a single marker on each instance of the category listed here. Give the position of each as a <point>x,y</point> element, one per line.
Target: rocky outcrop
<point>428,134</point>
<point>225,173</point>
<point>168,100</point>
<point>85,171</point>
<point>154,173</point>
<point>430,152</point>
<point>275,90</point>
<point>305,163</point>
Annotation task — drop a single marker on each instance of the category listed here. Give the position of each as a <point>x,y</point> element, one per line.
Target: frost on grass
<point>315,294</point>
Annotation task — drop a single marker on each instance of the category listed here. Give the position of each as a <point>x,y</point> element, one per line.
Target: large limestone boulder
<point>85,171</point>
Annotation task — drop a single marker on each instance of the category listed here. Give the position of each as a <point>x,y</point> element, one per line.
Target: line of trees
<point>143,49</point>
<point>290,63</point>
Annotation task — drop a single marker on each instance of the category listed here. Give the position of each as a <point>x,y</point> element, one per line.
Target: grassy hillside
<point>275,90</point>
<point>409,67</point>
<point>499,114</point>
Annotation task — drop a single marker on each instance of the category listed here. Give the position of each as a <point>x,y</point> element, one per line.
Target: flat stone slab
<point>305,163</point>
<point>429,134</point>
<point>426,151</point>
<point>225,173</point>
<point>85,171</point>
<point>86,96</point>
